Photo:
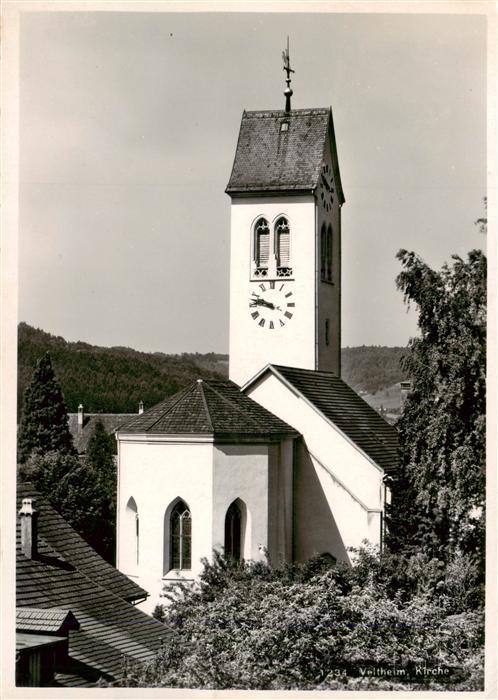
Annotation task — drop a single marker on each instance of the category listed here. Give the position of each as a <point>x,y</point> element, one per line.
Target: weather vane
<point>288,90</point>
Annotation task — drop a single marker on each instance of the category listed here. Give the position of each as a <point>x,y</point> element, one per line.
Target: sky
<point>128,128</point>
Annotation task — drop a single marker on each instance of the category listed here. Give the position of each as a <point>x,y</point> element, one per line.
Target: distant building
<point>75,616</point>
<point>82,425</point>
<point>405,389</point>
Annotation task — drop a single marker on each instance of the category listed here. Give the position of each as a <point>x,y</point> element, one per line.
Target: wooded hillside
<point>116,379</point>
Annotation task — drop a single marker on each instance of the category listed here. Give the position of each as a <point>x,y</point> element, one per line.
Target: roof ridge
<point>326,372</point>
<point>232,404</point>
<point>180,396</point>
<point>302,111</point>
<point>200,384</point>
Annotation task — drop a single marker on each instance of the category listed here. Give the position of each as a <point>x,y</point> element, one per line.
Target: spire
<point>288,90</point>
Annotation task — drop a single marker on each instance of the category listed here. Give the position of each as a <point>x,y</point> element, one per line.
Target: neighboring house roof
<point>82,434</point>
<point>269,159</point>
<point>211,407</point>
<point>45,620</point>
<point>35,641</point>
<point>67,574</point>
<point>70,547</point>
<point>335,400</point>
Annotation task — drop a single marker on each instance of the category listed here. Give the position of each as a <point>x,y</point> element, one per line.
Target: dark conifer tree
<point>44,422</point>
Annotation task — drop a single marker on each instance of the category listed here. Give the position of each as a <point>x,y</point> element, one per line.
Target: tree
<point>438,496</point>
<point>44,423</point>
<point>73,487</point>
<point>101,458</point>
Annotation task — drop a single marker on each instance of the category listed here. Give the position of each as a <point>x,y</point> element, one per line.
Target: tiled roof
<point>68,546</point>
<point>82,434</point>
<point>211,407</point>
<point>51,620</point>
<point>110,627</point>
<point>268,159</point>
<point>333,398</point>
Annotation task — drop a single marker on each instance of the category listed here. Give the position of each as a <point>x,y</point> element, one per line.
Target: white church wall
<point>252,347</point>
<point>154,474</point>
<point>241,472</point>
<point>281,502</point>
<point>345,471</point>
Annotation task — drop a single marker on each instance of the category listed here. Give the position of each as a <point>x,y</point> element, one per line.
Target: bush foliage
<point>248,626</point>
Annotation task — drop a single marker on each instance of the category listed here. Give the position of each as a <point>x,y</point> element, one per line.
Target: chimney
<point>140,408</point>
<point>29,528</point>
<point>81,415</point>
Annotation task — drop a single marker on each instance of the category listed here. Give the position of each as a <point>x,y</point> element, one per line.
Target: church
<point>283,460</point>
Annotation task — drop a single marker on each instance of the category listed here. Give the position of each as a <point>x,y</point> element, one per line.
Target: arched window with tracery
<point>233,532</point>
<point>261,244</point>
<point>180,537</point>
<point>282,243</point>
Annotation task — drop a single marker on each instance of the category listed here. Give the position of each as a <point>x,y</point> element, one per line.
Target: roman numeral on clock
<point>255,314</point>
<point>288,314</point>
<point>272,285</point>
<point>262,322</point>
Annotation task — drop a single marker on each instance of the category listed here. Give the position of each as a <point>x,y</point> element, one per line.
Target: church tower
<point>285,262</point>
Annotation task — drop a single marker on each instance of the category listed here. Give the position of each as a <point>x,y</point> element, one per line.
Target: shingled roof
<point>67,574</point>
<point>45,620</point>
<point>209,407</point>
<point>269,159</point>
<point>335,400</point>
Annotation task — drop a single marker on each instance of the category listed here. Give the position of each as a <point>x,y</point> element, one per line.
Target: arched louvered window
<point>261,243</point>
<point>323,252</point>
<point>180,537</point>
<point>329,253</point>
<point>282,242</point>
<point>233,531</point>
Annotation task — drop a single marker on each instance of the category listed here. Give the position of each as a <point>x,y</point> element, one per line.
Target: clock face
<point>326,187</point>
<point>272,304</point>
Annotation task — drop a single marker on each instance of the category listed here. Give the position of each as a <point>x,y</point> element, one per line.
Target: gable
<point>332,398</point>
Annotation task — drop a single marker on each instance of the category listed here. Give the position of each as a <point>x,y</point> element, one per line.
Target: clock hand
<point>261,302</point>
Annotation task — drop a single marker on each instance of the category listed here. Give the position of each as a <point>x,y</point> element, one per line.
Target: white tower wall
<point>251,346</point>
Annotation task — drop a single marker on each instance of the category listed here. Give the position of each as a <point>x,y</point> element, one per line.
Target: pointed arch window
<point>262,244</point>
<point>326,253</point>
<point>233,532</point>
<point>282,242</point>
<point>271,248</point>
<point>323,252</point>
<point>180,537</point>
<point>131,539</point>
<point>329,253</point>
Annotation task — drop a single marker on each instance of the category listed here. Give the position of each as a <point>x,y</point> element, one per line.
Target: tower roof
<point>272,158</point>
<point>209,407</point>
